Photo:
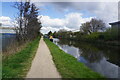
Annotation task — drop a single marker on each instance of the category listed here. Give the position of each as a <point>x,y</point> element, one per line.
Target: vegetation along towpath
<point>42,65</point>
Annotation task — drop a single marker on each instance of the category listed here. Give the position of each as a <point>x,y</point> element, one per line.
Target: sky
<point>64,15</point>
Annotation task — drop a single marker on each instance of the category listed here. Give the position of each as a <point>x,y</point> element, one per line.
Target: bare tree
<point>28,27</point>
<point>94,25</point>
<point>0,24</point>
<point>19,20</point>
<point>26,16</point>
<point>97,25</point>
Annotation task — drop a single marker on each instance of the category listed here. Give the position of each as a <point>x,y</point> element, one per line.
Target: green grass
<point>18,64</point>
<point>68,66</point>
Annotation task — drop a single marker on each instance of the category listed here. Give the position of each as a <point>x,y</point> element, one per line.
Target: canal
<point>7,37</point>
<point>100,58</point>
<point>7,40</point>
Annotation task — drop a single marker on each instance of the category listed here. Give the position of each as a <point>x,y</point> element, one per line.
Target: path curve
<point>43,65</point>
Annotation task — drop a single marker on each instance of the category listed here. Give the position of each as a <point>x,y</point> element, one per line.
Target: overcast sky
<point>65,15</point>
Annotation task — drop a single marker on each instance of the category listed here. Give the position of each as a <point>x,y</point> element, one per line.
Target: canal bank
<point>17,65</point>
<point>100,58</point>
<point>68,66</point>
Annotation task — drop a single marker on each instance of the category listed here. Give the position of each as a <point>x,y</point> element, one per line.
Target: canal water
<point>99,58</point>
<point>6,38</point>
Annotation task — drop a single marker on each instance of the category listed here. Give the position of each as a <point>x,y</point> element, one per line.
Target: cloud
<point>47,29</point>
<point>74,20</point>
<point>56,22</point>
<point>107,11</point>
<point>119,11</point>
<point>71,21</point>
<point>6,21</point>
<point>73,0</point>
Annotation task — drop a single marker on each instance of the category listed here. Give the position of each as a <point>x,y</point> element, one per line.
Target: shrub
<point>94,36</point>
<point>112,34</point>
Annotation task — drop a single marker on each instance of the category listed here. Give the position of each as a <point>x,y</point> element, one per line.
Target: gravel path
<point>43,65</point>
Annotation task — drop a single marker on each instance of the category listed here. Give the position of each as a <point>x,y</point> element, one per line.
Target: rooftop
<point>118,22</point>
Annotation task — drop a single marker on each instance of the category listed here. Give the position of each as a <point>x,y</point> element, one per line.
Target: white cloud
<point>47,21</point>
<point>74,20</point>
<point>47,29</point>
<point>107,11</point>
<point>6,21</point>
<point>73,0</point>
<point>71,21</point>
<point>62,0</point>
<point>4,18</point>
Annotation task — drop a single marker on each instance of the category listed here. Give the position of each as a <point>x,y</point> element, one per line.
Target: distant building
<point>115,24</point>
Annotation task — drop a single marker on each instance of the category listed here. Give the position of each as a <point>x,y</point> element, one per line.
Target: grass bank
<point>18,64</point>
<point>68,66</point>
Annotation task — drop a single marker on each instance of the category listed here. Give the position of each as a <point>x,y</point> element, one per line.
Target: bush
<point>112,34</point>
<point>94,36</point>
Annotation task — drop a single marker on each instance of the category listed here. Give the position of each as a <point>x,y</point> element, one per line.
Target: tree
<point>62,30</point>
<point>26,15</point>
<point>54,34</point>
<point>62,33</point>
<point>49,33</point>
<point>33,27</point>
<point>97,25</point>
<point>19,21</point>
<point>0,24</point>
<point>28,27</point>
<point>94,25</point>
<point>85,28</point>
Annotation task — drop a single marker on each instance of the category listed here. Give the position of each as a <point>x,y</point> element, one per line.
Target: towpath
<point>43,65</point>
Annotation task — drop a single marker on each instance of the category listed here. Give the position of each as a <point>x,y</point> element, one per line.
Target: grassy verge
<point>68,66</point>
<point>17,65</point>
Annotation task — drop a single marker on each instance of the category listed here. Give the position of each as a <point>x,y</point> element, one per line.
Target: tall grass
<point>13,48</point>
<point>18,64</point>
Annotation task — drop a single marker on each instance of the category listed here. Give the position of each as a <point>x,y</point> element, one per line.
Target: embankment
<point>68,66</point>
<point>18,64</point>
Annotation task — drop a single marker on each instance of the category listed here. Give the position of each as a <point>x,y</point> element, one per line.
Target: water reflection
<point>102,59</point>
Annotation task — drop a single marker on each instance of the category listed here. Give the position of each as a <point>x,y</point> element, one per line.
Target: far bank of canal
<point>101,59</point>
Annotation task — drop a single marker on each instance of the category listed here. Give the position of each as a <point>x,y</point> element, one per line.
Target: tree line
<point>94,25</point>
<point>27,25</point>
<point>93,31</point>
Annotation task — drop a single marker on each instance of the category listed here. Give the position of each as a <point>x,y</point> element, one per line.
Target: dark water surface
<point>102,59</point>
<point>6,40</point>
